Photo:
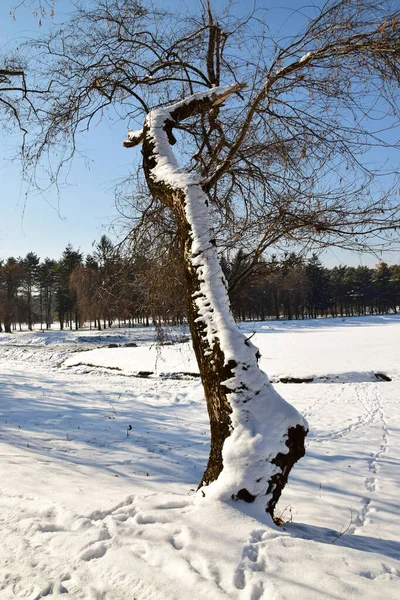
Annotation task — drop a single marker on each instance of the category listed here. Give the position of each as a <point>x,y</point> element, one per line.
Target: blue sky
<point>82,211</point>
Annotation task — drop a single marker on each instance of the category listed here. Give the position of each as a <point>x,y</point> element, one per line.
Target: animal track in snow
<point>373,463</point>
<point>239,578</point>
<point>370,400</point>
<point>371,481</point>
<point>253,562</point>
<point>150,525</point>
<point>386,573</point>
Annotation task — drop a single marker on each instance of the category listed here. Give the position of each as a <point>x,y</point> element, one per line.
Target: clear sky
<point>84,210</point>
<point>81,212</point>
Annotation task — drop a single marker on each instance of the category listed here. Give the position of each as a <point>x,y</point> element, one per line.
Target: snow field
<point>92,509</point>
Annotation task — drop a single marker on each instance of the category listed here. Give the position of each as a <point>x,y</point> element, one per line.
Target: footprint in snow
<point>247,576</point>
<point>143,518</point>
<point>179,538</point>
<point>49,528</point>
<point>53,588</point>
<point>173,504</point>
<point>97,550</point>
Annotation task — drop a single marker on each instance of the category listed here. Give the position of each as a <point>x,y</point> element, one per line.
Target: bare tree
<point>274,139</point>
<point>13,88</point>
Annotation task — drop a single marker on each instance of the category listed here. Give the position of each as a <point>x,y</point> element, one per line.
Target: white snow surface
<point>99,467</point>
<point>305,353</point>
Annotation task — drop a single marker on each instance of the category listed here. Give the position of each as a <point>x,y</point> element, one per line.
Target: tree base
<point>295,443</point>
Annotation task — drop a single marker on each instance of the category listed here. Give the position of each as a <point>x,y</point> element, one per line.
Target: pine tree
<point>66,300</point>
<point>31,268</point>
<point>319,294</point>
<point>47,278</point>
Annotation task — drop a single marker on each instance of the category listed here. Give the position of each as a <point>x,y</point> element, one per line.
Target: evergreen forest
<point>108,288</point>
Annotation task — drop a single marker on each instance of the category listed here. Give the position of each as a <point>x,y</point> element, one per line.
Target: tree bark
<point>256,436</point>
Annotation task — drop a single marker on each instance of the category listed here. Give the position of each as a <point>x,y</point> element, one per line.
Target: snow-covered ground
<point>101,451</point>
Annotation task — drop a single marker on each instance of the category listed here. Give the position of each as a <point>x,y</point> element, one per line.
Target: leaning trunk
<point>256,436</point>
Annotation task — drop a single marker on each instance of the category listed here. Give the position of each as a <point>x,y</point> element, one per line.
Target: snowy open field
<point>99,466</point>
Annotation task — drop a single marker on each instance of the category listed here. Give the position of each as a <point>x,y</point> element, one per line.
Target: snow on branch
<point>134,138</point>
<point>174,113</point>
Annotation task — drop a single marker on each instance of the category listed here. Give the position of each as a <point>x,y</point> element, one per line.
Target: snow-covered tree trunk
<point>256,436</point>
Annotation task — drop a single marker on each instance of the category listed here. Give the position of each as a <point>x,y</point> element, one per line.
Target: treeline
<point>101,290</point>
<point>107,288</point>
<point>299,288</point>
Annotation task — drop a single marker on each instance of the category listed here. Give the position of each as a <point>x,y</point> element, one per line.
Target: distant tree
<point>30,266</point>
<point>11,274</point>
<point>319,291</point>
<point>362,289</point>
<point>166,291</point>
<point>394,287</point>
<point>382,278</point>
<point>66,299</point>
<point>235,269</point>
<point>294,286</point>
<point>85,283</point>
<point>339,289</point>
<point>110,277</point>
<point>273,278</point>
<point>47,278</point>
